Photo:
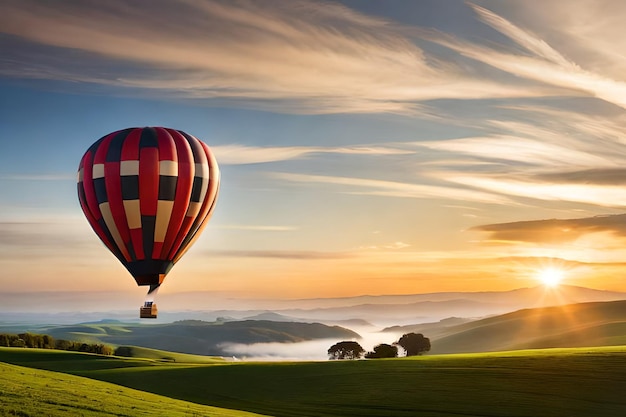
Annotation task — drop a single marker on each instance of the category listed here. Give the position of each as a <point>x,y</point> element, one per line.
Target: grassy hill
<point>165,356</point>
<point>555,382</point>
<point>30,392</point>
<point>585,324</point>
<point>433,330</point>
<point>198,337</point>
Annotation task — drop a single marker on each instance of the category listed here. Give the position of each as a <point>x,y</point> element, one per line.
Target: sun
<point>551,277</point>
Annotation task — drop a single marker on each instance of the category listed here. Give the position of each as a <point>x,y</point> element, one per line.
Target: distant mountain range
<point>419,308</point>
<point>361,311</point>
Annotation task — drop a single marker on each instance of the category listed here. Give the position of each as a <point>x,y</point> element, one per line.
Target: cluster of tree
<point>383,351</point>
<point>44,341</point>
<point>29,340</point>
<point>98,348</point>
<point>413,344</point>
<point>345,350</point>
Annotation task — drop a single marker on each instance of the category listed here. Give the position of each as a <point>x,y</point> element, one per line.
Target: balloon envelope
<point>148,193</point>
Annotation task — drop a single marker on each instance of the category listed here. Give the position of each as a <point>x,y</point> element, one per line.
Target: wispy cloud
<point>518,149</point>
<point>541,62</point>
<point>279,55</point>
<point>256,228</point>
<point>592,241</point>
<point>598,176</point>
<point>277,254</point>
<point>22,239</point>
<point>392,246</point>
<point>241,154</point>
<point>366,186</point>
<point>544,155</point>
<point>266,54</point>
<point>605,196</point>
<point>588,31</point>
<point>524,38</point>
<point>38,177</point>
<point>554,230</point>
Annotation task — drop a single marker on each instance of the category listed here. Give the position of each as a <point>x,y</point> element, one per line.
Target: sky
<point>365,147</point>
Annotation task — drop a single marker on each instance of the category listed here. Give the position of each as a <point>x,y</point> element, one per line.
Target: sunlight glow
<point>551,277</point>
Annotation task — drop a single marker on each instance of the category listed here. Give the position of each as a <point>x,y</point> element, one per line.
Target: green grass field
<point>27,392</point>
<point>552,382</point>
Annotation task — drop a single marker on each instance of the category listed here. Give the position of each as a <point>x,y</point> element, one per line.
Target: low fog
<point>312,350</point>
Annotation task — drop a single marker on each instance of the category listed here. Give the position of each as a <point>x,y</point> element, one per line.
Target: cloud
<point>517,149</point>
<point>256,228</point>
<point>277,254</point>
<point>393,246</point>
<point>538,154</point>
<point>28,240</point>
<point>241,154</point>
<point>598,176</point>
<point>275,55</point>
<point>597,195</point>
<point>39,177</point>
<point>554,230</point>
<point>541,62</point>
<point>588,31</point>
<point>21,233</point>
<point>524,38</point>
<point>561,263</point>
<point>364,186</point>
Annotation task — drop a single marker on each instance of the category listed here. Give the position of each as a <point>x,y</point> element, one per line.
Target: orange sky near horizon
<point>295,274</point>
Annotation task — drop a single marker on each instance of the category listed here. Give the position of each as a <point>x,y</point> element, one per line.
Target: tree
<point>414,343</point>
<point>383,351</point>
<point>28,338</point>
<point>62,344</point>
<point>47,342</point>
<point>345,350</point>
<point>17,342</point>
<point>101,349</point>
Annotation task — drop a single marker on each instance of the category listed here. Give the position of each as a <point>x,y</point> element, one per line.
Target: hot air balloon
<point>148,193</point>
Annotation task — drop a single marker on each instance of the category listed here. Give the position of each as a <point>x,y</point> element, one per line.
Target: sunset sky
<point>365,147</point>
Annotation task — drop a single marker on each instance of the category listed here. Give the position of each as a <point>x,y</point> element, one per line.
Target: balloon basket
<point>148,311</point>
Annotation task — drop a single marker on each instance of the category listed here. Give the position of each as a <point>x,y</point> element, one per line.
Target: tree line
<point>44,341</point>
<point>413,344</point>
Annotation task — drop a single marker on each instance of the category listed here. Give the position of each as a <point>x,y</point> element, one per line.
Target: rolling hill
<point>165,356</point>
<point>199,337</point>
<point>433,329</point>
<point>582,324</point>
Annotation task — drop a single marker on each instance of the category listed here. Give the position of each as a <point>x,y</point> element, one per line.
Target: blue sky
<point>366,147</point>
